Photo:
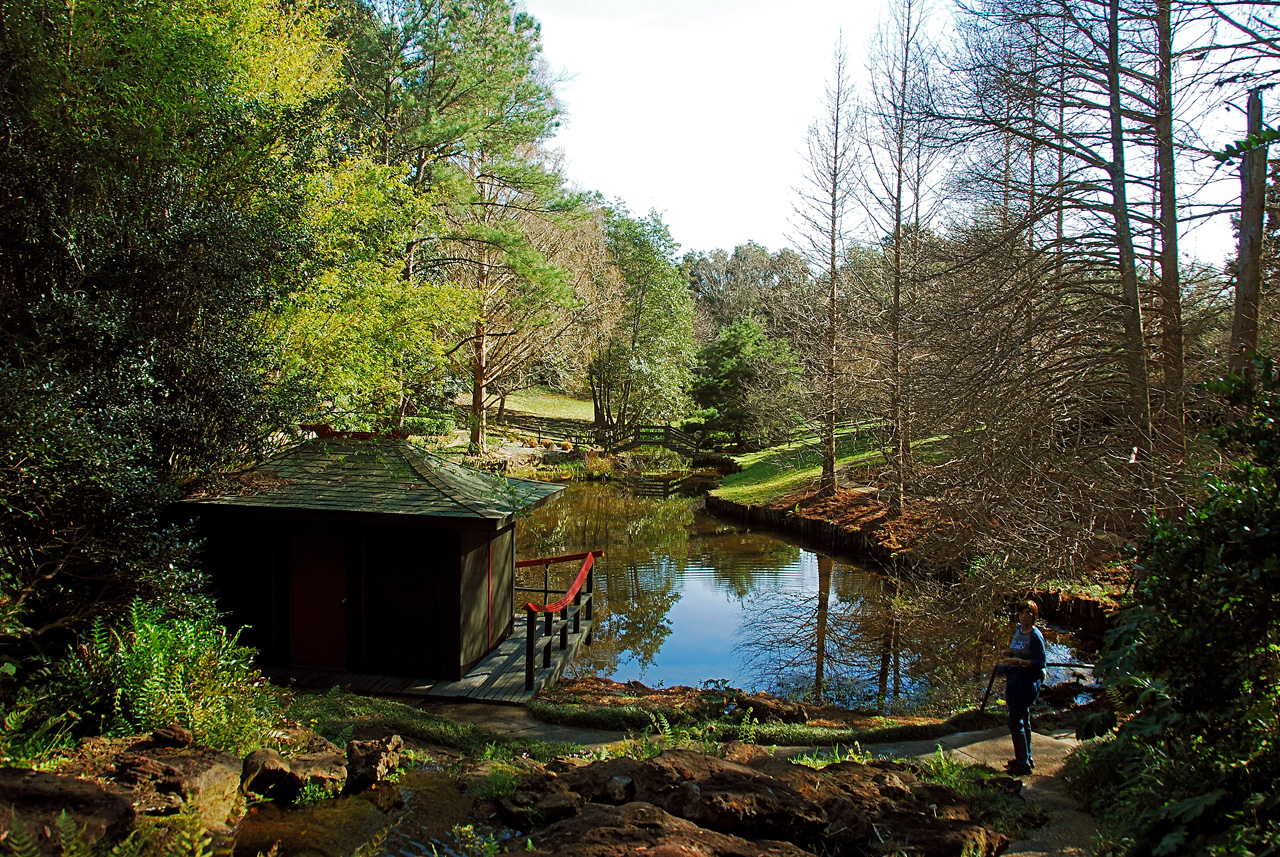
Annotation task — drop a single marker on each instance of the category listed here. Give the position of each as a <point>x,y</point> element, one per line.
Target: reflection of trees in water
<point>645,543</point>
<point>632,609</point>
<point>869,646</point>
<point>860,639</point>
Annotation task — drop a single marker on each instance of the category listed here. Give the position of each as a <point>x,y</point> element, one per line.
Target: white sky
<point>699,108</point>
<point>696,108</point>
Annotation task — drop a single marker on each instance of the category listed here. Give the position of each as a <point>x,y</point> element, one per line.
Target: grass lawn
<point>782,470</point>
<point>544,403</point>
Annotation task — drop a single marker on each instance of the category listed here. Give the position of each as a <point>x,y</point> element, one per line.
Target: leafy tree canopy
<point>149,216</point>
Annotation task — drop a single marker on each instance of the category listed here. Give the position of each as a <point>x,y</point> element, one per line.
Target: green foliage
<point>370,335</point>
<point>640,372</point>
<point>151,217</point>
<point>1193,658</point>
<point>501,782</point>
<point>1260,140</point>
<point>747,385</point>
<point>470,841</point>
<point>819,759</point>
<point>311,794</point>
<point>997,809</point>
<point>154,669</point>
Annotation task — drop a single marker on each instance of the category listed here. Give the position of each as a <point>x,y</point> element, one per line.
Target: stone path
<point>1070,832</point>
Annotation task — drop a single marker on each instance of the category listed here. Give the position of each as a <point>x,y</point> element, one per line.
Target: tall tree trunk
<point>1253,188</point>
<point>1134,341</point>
<point>1171,350</point>
<point>479,369</point>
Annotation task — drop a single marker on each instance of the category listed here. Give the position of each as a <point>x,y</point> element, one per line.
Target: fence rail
<point>996,669</point>
<point>562,616</point>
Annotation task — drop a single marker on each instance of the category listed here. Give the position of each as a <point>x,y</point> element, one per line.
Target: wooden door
<point>318,599</point>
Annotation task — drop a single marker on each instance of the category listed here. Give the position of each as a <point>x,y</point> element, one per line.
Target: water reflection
<point>684,598</point>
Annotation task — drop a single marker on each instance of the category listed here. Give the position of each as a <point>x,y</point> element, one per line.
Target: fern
<point>71,837</point>
<point>19,842</point>
<point>190,837</point>
<point>660,722</point>
<point>131,846</point>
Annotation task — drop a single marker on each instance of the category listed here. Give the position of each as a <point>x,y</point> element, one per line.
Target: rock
<point>34,799</point>
<point>713,793</point>
<point>767,709</point>
<point>173,735</point>
<point>620,790</point>
<point>642,828</point>
<point>737,751</point>
<point>369,762</point>
<point>160,779</point>
<point>265,772</point>
<point>327,770</point>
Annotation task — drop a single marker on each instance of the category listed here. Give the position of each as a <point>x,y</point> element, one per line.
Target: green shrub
<point>153,669</point>
<point>1194,768</point>
<point>997,809</point>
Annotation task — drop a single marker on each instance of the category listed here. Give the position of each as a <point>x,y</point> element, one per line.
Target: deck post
<point>530,628</point>
<point>564,629</point>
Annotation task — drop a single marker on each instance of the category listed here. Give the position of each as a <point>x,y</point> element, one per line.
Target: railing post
<point>564,628</point>
<point>530,629</point>
<point>591,601</point>
<point>577,611</point>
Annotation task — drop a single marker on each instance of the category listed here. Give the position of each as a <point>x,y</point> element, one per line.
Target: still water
<point>684,598</point>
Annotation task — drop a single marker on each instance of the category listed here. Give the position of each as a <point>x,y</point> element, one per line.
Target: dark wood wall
<point>361,596</point>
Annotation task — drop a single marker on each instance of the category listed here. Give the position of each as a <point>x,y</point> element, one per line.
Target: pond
<point>684,598</point>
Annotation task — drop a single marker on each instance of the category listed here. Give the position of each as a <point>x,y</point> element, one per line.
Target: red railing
<point>572,606</point>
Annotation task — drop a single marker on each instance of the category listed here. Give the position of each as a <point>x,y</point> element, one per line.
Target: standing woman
<point>1023,666</point>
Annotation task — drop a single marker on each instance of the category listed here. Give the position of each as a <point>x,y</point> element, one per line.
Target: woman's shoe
<point>1018,769</point>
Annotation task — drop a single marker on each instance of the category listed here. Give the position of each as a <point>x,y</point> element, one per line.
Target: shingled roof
<point>381,476</point>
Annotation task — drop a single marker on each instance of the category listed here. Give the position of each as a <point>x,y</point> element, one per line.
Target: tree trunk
<point>1171,350</point>
<point>1253,188</point>
<point>478,380</point>
<point>1134,341</point>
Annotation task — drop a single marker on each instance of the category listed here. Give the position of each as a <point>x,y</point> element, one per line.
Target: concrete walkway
<point>1070,831</point>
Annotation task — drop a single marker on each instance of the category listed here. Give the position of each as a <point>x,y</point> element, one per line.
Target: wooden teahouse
<point>367,555</point>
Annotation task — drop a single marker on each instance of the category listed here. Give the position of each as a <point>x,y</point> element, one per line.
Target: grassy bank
<point>781,470</point>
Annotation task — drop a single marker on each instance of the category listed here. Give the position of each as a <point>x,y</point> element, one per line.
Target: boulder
<point>770,709</point>
<point>847,807</point>
<point>633,828</point>
<point>265,772</point>
<point>34,799</point>
<point>159,779</point>
<point>370,762</point>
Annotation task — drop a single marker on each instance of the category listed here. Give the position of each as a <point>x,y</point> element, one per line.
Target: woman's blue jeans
<point>1020,729</point>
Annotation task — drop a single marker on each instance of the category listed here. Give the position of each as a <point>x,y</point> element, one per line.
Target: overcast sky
<point>699,108</point>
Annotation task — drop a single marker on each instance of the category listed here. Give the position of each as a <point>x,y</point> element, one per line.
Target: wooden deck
<point>497,678</point>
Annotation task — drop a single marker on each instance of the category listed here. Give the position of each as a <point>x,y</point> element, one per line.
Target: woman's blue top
<point>1023,684</point>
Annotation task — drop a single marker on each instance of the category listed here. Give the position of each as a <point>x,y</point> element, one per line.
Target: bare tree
<point>821,216</point>
<point>898,167</point>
